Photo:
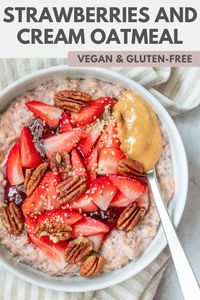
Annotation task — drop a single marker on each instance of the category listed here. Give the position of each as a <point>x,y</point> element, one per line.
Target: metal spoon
<point>188,282</point>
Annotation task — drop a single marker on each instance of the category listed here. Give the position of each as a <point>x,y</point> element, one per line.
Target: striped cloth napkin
<point>175,89</point>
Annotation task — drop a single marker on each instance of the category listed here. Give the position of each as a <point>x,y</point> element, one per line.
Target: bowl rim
<point>99,283</point>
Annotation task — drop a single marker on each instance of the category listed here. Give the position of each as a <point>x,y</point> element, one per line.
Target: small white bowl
<point>176,206</point>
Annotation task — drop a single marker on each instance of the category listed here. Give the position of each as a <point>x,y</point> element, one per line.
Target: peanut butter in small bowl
<point>138,128</point>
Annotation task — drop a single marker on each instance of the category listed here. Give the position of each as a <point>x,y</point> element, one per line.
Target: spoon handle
<point>186,276</point>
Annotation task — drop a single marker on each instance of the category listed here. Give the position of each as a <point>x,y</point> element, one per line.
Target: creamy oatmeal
<point>118,246</point>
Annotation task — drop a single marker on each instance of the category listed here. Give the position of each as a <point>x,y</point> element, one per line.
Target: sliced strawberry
<point>97,240</point>
<point>61,245</point>
<point>84,204</point>
<point>54,251</point>
<point>31,223</point>
<point>109,160</point>
<point>64,141</point>
<point>88,226</point>
<point>14,171</point>
<point>107,101</point>
<point>112,136</point>
<point>78,164</point>
<point>86,144</point>
<point>50,114</point>
<point>92,111</point>
<point>131,188</point>
<point>102,192</point>
<point>45,196</point>
<point>65,123</point>
<point>92,164</point>
<point>65,216</point>
<point>143,200</point>
<point>30,156</point>
<point>121,201</point>
<point>109,137</point>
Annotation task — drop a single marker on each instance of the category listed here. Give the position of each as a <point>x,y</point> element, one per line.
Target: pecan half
<point>71,188</point>
<point>131,168</point>
<point>76,252</point>
<point>28,173</point>
<point>56,230</point>
<point>72,100</point>
<point>130,217</point>
<point>92,265</point>
<point>34,178</point>
<point>12,218</point>
<point>60,163</point>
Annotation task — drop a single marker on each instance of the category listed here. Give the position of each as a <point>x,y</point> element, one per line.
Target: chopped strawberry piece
<point>61,245</point>
<point>88,226</point>
<point>131,188</point>
<point>64,141</point>
<point>97,240</point>
<point>54,251</point>
<point>109,137</point>
<point>109,160</point>
<point>102,192</point>
<point>45,196</point>
<point>143,200</point>
<point>14,171</point>
<point>78,164</point>
<point>65,123</point>
<point>86,144</point>
<point>107,101</point>
<point>50,114</point>
<point>31,222</point>
<point>92,164</point>
<point>121,201</point>
<point>30,156</point>
<point>112,140</point>
<point>65,216</point>
<point>92,111</point>
<point>101,142</point>
<point>84,204</point>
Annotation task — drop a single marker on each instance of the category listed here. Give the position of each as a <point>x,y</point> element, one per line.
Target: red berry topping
<point>14,171</point>
<point>30,156</point>
<point>48,113</point>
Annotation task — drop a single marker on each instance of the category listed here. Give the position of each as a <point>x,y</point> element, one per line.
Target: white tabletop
<point>188,230</point>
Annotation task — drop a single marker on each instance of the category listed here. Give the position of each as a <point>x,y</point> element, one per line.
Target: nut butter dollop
<point>138,128</point>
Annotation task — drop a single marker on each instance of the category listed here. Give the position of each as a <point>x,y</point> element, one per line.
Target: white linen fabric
<point>178,89</point>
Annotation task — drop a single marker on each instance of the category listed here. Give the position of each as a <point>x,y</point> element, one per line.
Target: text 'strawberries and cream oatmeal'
<point>74,195</point>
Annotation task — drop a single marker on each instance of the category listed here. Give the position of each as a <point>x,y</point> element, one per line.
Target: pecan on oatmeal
<point>57,231</point>
<point>130,217</point>
<point>72,100</point>
<point>71,188</point>
<point>12,218</point>
<point>92,265</point>
<point>28,173</point>
<point>33,177</point>
<point>60,163</point>
<point>76,251</point>
<point>131,168</point>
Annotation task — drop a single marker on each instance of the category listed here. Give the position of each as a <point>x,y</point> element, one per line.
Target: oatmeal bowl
<point>76,212</point>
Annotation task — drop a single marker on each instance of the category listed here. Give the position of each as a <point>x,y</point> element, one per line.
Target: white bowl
<point>176,206</point>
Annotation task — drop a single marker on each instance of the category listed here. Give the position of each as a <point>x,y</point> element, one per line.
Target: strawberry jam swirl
<point>81,199</point>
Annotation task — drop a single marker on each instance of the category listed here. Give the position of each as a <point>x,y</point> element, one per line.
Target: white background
<point>10,47</point>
